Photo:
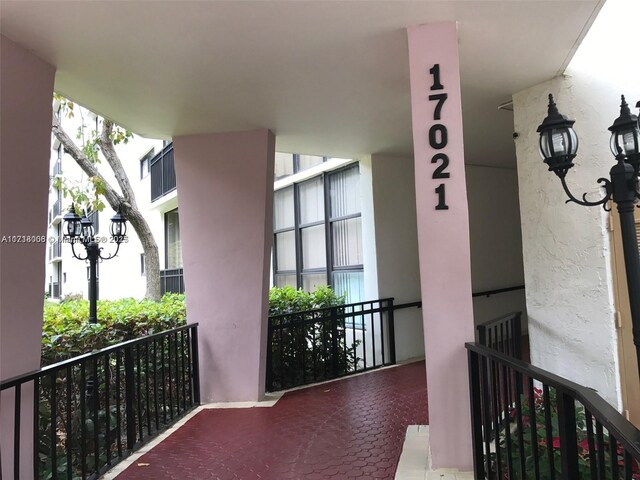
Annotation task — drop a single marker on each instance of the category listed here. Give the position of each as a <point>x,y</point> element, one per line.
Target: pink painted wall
<point>26,89</point>
<point>443,242</point>
<point>225,183</point>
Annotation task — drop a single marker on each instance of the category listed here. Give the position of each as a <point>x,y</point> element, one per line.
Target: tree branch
<point>109,152</point>
<point>113,197</point>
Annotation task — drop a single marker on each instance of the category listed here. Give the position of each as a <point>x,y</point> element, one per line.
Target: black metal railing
<point>172,281</point>
<point>503,334</point>
<point>54,290</point>
<point>488,293</point>
<point>93,410</point>
<point>55,250</point>
<point>528,423</point>
<point>316,345</point>
<point>55,211</point>
<point>163,173</point>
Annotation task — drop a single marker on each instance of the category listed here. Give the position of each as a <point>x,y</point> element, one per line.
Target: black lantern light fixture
<point>558,148</point>
<point>81,230</point>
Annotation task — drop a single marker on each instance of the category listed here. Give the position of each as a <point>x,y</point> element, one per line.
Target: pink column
<point>225,185</point>
<point>26,90</point>
<point>443,238</point>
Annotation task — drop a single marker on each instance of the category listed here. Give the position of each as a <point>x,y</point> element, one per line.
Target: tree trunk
<point>124,202</point>
<point>150,249</point>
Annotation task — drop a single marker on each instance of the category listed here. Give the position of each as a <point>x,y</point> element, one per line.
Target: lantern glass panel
<point>87,230</point>
<point>116,229</point>
<point>558,142</point>
<point>630,142</point>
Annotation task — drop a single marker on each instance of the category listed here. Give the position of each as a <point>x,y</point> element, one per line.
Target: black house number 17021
<point>438,137</point>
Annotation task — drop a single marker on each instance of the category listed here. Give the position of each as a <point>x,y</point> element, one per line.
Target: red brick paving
<point>352,428</point>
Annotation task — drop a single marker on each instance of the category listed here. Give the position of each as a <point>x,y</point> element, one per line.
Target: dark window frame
<point>328,222</point>
<point>145,163</point>
<point>166,238</point>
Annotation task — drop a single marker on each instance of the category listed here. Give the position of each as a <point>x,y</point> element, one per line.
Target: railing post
<point>482,335</point>
<point>129,392</point>
<point>196,365</point>
<point>392,332</point>
<point>476,415</point>
<point>269,373</point>
<point>516,331</point>
<point>568,436</point>
<point>334,342</point>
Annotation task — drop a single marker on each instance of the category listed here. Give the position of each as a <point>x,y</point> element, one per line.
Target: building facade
<point>449,204</point>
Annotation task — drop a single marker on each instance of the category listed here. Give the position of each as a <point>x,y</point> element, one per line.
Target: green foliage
<point>88,193</point>
<point>67,332</point>
<point>308,346</point>
<point>288,299</point>
<point>537,421</point>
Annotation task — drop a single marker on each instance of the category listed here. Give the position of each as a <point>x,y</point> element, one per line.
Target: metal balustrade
<point>316,345</point>
<point>93,410</point>
<point>528,423</point>
<point>55,250</point>
<point>172,281</point>
<point>503,334</point>
<point>163,173</point>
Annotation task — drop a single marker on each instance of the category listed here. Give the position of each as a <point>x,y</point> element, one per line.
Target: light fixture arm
<point>584,202</point>
<point>76,255</point>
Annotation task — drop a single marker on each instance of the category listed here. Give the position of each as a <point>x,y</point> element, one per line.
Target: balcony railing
<point>54,290</point>
<point>503,334</point>
<point>95,409</point>
<point>163,173</point>
<point>55,250</point>
<point>530,423</point>
<point>317,345</point>
<point>56,210</point>
<point>172,281</point>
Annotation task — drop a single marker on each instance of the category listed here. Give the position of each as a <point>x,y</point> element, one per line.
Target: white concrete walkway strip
<point>415,460</point>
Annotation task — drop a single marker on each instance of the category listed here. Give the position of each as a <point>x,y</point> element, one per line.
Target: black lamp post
<point>558,147</point>
<point>80,230</point>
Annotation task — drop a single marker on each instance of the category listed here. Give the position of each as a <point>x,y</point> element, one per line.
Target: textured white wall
<point>566,246</point>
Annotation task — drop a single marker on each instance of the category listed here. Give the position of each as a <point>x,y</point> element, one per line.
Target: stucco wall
<point>566,246</point>
<point>496,241</point>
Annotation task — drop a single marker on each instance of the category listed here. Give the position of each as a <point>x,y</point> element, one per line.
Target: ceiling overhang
<point>327,77</point>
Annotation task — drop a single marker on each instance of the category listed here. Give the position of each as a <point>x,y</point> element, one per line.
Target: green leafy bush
<point>288,299</point>
<point>67,332</point>
<point>307,346</point>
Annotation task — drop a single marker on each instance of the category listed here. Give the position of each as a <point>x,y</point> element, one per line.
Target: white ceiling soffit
<point>328,77</point>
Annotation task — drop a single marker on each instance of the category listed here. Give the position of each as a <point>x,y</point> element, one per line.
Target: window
<point>143,267</point>
<point>145,163</point>
<point>318,234</point>
<point>95,218</point>
<point>287,164</point>
<point>173,248</point>
<point>283,165</point>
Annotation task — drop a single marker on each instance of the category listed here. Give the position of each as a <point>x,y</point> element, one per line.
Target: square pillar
<point>443,238</point>
<point>26,95</point>
<point>226,226</point>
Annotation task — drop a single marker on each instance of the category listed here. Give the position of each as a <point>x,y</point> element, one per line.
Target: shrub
<point>288,299</point>
<point>67,333</point>
<point>307,347</point>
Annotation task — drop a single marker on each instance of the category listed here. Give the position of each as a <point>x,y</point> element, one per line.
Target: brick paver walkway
<point>352,428</point>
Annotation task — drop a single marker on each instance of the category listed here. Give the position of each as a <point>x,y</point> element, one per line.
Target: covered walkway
<point>350,428</point>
